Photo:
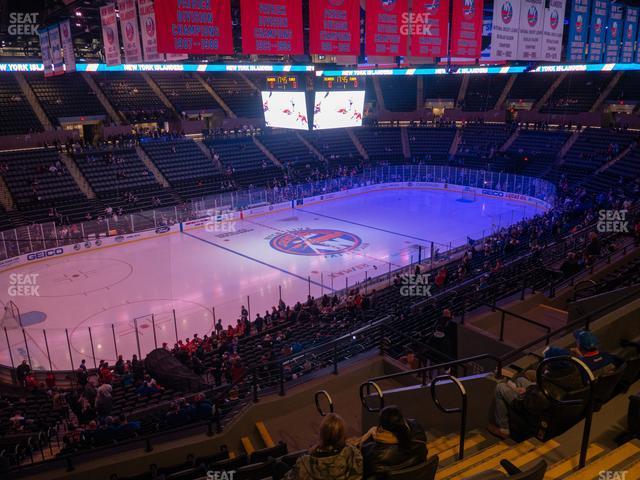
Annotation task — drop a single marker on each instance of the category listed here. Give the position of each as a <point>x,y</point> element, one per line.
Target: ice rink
<point>317,248</point>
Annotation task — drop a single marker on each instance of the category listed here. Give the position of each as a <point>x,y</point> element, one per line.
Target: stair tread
<point>516,451</point>
<point>473,460</point>
<point>606,462</point>
<point>264,433</point>
<point>565,466</point>
<point>247,445</point>
<point>452,451</point>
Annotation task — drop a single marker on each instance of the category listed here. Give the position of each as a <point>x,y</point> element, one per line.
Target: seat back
<point>534,473</point>
<point>265,453</point>
<point>605,386</point>
<point>255,471</point>
<point>424,471</point>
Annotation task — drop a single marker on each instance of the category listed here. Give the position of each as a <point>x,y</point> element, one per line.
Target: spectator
<point>394,444</point>
<point>332,458</point>
<point>561,377</point>
<point>587,351</point>
<point>104,401</point>
<point>22,372</point>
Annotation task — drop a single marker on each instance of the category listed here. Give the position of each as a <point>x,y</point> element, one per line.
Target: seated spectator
<point>394,444</point>
<point>148,387</point>
<point>332,458</point>
<point>587,351</point>
<point>561,377</point>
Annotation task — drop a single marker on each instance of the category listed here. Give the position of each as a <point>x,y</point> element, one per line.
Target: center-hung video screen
<point>285,110</point>
<point>338,109</point>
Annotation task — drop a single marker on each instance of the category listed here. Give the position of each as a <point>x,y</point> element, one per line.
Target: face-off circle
<point>315,242</point>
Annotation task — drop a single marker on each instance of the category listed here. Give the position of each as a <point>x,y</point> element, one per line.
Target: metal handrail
<point>363,399</point>
<point>504,313</point>
<point>588,403</point>
<point>316,398</point>
<point>462,410</point>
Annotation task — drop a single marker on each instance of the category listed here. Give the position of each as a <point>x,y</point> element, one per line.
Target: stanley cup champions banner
<point>629,34</point>
<point>384,27</point>
<point>466,29</point>
<point>110,39</point>
<point>553,31</point>
<point>428,26</point>
<point>55,45</point>
<point>334,27</point>
<point>147,16</point>
<point>614,33</point>
<point>45,49</point>
<point>130,31</point>
<point>597,30</point>
<point>531,30</point>
<point>272,27</point>
<point>505,31</point>
<point>194,27</point>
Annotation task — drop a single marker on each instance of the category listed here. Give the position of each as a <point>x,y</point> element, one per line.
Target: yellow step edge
<point>534,455</point>
<point>264,433</point>
<point>608,462</point>
<point>513,452</point>
<point>633,471</point>
<point>473,460</point>
<point>563,467</point>
<point>445,443</point>
<point>453,451</point>
<point>232,455</point>
<point>247,445</point>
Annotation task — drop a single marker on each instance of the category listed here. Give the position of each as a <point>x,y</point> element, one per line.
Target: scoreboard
<point>282,82</point>
<point>341,82</point>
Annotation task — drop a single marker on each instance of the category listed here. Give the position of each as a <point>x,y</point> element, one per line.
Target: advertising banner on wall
<point>597,30</point>
<point>110,40</point>
<point>271,27</point>
<point>147,15</point>
<point>505,30</point>
<point>130,31</point>
<point>578,31</point>
<point>334,27</point>
<point>383,31</point>
<point>67,45</point>
<point>531,29</point>
<point>553,31</point>
<point>466,29</point>
<point>188,27</point>
<point>614,33</point>
<point>428,26</point>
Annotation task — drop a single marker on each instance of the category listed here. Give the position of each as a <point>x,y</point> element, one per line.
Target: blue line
<point>260,262</point>
<point>367,226</point>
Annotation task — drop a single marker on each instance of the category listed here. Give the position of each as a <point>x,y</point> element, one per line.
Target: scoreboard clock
<point>282,82</point>
<point>341,82</point>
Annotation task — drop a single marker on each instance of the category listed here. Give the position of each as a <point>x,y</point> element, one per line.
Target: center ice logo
<point>315,242</point>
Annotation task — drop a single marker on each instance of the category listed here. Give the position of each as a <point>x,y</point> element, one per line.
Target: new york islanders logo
<point>469,8</point>
<point>388,5</point>
<point>532,16</point>
<point>554,19</point>
<point>129,31</point>
<point>432,5</point>
<point>110,36</point>
<point>630,31</point>
<point>598,26</point>
<point>579,24</point>
<point>336,3</point>
<point>150,26</point>
<point>315,242</point>
<point>506,12</point>
<point>614,30</point>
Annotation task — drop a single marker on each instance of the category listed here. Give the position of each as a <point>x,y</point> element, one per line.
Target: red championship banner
<point>272,27</point>
<point>194,26</point>
<point>386,34</point>
<point>334,27</point>
<point>429,27</point>
<point>466,29</point>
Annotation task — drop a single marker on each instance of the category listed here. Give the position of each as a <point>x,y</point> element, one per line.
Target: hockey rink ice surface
<point>320,247</point>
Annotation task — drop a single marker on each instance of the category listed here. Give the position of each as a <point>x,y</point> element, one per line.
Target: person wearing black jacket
<point>396,443</point>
